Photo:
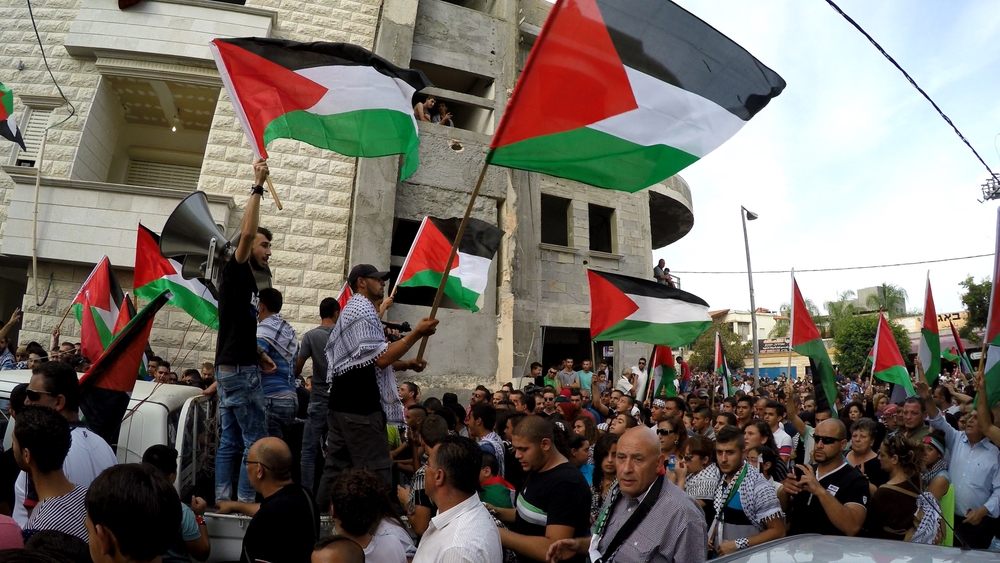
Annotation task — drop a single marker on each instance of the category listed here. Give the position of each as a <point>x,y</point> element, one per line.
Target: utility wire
<point>72,108</point>
<point>846,268</point>
<point>914,83</point>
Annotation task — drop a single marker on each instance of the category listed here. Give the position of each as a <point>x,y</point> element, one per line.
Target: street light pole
<point>747,215</point>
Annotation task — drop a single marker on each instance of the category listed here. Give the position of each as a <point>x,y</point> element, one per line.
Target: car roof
<point>171,397</point>
<point>826,549</point>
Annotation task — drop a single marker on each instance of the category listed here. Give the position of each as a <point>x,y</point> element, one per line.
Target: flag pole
<point>451,256</point>
<point>791,327</point>
<point>274,194</point>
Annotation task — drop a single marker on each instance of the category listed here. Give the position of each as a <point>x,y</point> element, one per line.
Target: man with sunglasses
<point>829,496</point>
<point>285,525</point>
<point>55,385</point>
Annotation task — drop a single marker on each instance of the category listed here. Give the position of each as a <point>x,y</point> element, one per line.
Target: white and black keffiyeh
<point>702,485</point>
<point>279,334</point>
<point>757,497</point>
<point>357,339</point>
<point>927,528</point>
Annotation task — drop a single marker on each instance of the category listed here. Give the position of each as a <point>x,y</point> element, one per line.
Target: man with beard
<point>239,362</point>
<point>747,512</point>
<point>830,496</point>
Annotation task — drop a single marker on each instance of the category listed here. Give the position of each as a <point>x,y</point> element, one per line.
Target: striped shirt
<point>64,513</point>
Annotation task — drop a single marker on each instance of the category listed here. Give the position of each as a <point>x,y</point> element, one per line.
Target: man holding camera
<point>356,351</point>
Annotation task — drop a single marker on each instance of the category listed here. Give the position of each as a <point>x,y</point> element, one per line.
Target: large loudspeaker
<point>191,236</point>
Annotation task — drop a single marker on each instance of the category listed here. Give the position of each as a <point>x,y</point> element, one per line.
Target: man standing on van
<point>238,360</point>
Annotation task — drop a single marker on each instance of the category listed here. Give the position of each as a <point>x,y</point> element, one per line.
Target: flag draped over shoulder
<point>622,94</point>
<point>96,307</point>
<point>105,388</point>
<point>627,308</point>
<point>806,340</point>
<point>155,274</point>
<point>930,341</point>
<point>664,372</point>
<point>8,125</point>
<point>992,368</point>
<point>722,368</point>
<point>888,362</point>
<point>469,275</point>
<point>334,96</point>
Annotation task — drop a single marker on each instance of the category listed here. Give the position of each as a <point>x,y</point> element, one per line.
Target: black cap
<point>365,271</point>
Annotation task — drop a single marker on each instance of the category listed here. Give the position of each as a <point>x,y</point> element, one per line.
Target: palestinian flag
<point>888,362</point>
<point>992,368</point>
<point>626,308</point>
<point>623,94</point>
<point>155,274</point>
<point>664,373</point>
<point>345,294</point>
<point>8,125</point>
<point>807,341</point>
<point>100,297</point>
<point>105,388</point>
<point>951,354</point>
<point>428,259</point>
<point>965,365</point>
<point>125,316</point>
<point>334,96</point>
<point>930,342</point>
<point>722,368</point>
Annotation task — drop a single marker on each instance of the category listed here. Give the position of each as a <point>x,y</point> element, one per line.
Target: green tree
<point>889,298</point>
<point>855,338</point>
<point>977,302</point>
<point>781,325</point>
<point>703,349</point>
<point>839,310</point>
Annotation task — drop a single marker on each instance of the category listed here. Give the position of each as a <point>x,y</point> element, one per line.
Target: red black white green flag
<point>965,364</point>
<point>155,274</point>
<point>8,125</point>
<point>334,96</point>
<point>888,364</point>
<point>96,307</point>
<point>428,258</point>
<point>664,372</point>
<point>623,94</point>
<point>345,294</point>
<point>627,308</point>
<point>105,388</point>
<point>930,341</point>
<point>992,368</point>
<point>807,341</point>
<point>722,368</point>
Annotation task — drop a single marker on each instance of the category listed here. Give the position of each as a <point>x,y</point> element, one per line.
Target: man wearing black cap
<point>359,358</point>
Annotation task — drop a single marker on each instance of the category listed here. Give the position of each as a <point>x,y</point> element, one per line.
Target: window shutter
<point>160,175</point>
<point>38,120</point>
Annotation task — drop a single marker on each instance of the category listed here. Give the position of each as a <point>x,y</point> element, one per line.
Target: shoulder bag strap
<point>633,522</point>
<point>901,490</point>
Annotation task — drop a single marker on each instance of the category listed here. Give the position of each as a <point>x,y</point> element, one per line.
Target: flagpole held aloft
<point>274,194</point>
<point>451,255</point>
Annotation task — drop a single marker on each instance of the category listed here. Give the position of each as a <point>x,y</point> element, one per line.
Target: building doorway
<point>560,343</point>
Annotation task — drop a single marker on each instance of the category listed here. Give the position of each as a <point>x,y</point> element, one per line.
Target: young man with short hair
<point>482,419</point>
<point>314,348</point>
<point>774,412</point>
<point>277,339</point>
<point>701,422</point>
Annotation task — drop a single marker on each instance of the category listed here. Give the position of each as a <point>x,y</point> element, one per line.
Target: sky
<point>850,165</point>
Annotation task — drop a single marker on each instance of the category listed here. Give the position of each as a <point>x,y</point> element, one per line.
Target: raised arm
<point>983,413</point>
<point>792,408</point>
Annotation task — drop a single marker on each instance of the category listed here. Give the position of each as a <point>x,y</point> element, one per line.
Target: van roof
<point>172,397</point>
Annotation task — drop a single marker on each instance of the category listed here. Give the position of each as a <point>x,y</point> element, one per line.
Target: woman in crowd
<point>355,500</point>
<point>604,472</point>
<point>671,433</point>
<point>579,450</point>
<point>765,460</point>
<point>584,426</point>
<point>758,433</point>
<point>697,473</point>
<point>621,423</point>
<point>890,510</point>
<point>862,456</point>
<point>880,401</point>
<point>855,411</point>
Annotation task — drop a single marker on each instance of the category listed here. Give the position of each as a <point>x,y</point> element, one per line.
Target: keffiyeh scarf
<point>757,497</point>
<point>278,333</point>
<point>931,473</point>
<point>357,339</point>
<point>388,390</point>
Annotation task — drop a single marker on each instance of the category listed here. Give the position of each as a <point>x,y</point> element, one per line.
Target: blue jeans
<point>313,435</point>
<point>280,414</point>
<point>241,408</point>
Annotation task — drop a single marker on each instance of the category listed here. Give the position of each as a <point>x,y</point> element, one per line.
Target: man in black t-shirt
<point>831,498</point>
<point>238,361</point>
<point>555,501</point>
<point>359,355</point>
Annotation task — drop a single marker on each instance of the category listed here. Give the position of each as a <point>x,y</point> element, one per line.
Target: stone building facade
<point>150,123</point>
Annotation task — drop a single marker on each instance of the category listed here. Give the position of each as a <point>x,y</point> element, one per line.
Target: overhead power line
<point>844,269</point>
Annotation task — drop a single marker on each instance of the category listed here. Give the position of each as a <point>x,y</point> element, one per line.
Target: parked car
<point>815,548</point>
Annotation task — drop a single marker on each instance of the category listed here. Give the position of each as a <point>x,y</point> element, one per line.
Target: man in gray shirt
<point>567,375</point>
<point>313,347</point>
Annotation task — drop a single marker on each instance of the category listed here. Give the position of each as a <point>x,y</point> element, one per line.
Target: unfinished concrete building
<point>136,75</point>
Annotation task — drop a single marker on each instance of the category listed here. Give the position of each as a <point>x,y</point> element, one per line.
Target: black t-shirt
<point>557,497</point>
<point>285,528</point>
<point>846,484</point>
<point>237,343</point>
<point>356,391</point>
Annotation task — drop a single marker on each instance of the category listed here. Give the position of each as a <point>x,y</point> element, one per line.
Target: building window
<point>32,127</point>
<point>161,175</point>
<point>555,220</point>
<point>743,329</point>
<point>602,228</point>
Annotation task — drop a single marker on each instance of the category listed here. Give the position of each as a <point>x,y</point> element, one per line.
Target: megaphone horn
<point>191,232</point>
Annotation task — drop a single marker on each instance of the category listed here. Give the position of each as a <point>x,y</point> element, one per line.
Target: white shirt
<point>783,442</point>
<point>389,528</point>
<point>384,549</point>
<point>641,383</point>
<point>464,533</point>
<point>88,456</point>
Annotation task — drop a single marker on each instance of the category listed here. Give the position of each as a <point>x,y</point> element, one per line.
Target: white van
<point>176,415</point>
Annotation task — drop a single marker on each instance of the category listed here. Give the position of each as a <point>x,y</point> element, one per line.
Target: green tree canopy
<point>890,298</point>
<point>703,349</point>
<point>977,301</point>
<point>781,325</point>
<point>855,339</point>
<point>839,310</point>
